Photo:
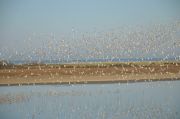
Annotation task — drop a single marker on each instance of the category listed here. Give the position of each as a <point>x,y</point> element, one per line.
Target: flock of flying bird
<point>148,41</point>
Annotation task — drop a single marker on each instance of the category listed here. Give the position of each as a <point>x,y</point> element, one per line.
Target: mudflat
<point>99,72</point>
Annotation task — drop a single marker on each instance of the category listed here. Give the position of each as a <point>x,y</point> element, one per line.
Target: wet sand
<point>108,72</point>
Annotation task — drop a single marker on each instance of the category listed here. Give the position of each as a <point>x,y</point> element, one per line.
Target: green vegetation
<point>5,64</point>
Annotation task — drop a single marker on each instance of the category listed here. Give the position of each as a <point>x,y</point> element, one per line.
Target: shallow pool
<point>147,100</point>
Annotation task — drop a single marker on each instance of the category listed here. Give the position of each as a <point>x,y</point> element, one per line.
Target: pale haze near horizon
<point>88,29</point>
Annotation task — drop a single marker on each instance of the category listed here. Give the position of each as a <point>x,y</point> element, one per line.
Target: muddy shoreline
<point>88,73</point>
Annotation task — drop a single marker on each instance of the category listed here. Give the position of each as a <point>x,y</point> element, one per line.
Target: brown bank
<point>108,72</point>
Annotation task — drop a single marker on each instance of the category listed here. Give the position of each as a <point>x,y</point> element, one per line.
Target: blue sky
<point>60,15</point>
<point>22,18</point>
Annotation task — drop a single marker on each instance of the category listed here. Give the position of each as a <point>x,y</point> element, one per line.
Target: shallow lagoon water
<point>145,100</point>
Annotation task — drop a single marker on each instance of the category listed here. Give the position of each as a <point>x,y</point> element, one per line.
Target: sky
<point>32,23</point>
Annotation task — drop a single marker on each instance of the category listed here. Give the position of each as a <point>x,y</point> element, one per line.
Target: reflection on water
<point>157,100</point>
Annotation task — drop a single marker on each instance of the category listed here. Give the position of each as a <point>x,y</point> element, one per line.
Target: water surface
<point>157,100</point>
